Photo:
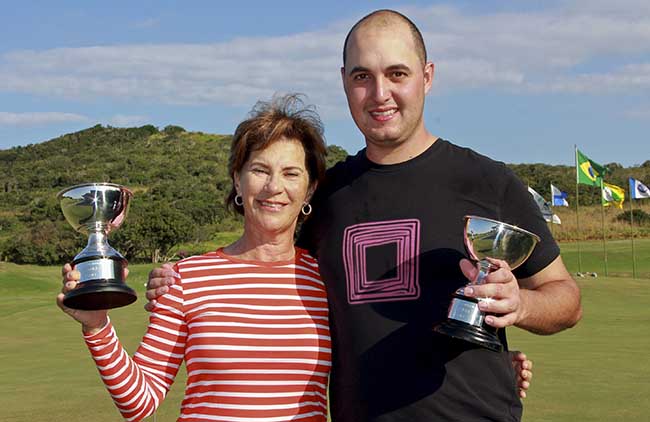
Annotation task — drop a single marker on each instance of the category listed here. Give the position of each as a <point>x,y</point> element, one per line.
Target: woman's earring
<point>306,209</point>
<point>238,200</point>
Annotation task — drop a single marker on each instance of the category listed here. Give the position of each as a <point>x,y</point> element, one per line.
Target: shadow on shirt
<point>413,362</point>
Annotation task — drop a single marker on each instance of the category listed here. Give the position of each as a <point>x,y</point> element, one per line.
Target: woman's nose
<point>273,183</point>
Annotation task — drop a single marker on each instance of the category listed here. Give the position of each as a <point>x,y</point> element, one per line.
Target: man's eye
<point>360,76</point>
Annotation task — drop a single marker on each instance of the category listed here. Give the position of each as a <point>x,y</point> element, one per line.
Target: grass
<point>46,372</point>
<point>619,257</point>
<point>597,371</point>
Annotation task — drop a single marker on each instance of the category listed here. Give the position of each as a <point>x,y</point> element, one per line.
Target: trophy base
<point>480,336</point>
<point>99,294</point>
<point>101,284</point>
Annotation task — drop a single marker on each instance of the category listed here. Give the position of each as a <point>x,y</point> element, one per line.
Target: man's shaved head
<point>386,18</point>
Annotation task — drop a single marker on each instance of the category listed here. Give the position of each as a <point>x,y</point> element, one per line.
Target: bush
<point>639,217</point>
<point>173,130</point>
<point>45,243</point>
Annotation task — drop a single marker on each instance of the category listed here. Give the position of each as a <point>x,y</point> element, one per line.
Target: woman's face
<point>274,185</point>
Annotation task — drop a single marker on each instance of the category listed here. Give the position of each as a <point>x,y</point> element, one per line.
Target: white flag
<point>559,197</point>
<point>544,207</point>
<point>638,190</point>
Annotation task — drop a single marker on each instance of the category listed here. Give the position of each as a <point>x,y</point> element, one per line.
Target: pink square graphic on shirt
<point>404,237</point>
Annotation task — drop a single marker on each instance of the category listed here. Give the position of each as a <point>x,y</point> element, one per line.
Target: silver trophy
<point>96,209</point>
<point>485,238</point>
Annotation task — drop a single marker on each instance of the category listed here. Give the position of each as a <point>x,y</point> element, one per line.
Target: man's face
<point>385,83</point>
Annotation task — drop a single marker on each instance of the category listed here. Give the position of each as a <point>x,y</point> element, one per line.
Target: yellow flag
<point>613,194</point>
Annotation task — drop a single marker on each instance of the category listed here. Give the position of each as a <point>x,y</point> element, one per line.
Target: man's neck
<point>400,153</point>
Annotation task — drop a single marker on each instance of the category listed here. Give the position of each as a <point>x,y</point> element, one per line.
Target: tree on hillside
<point>173,130</point>
<point>335,154</point>
<point>153,230</point>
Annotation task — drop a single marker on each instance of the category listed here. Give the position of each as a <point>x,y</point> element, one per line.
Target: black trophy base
<point>481,336</point>
<point>99,294</point>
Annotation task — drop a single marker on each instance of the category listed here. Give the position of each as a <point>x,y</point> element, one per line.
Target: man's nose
<point>382,89</point>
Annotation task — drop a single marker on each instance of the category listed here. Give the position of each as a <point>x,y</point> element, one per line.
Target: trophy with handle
<point>485,238</point>
<point>96,209</point>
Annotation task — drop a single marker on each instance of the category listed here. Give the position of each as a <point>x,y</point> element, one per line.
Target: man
<point>387,230</point>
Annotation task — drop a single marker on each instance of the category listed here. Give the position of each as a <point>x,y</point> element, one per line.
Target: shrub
<point>639,217</point>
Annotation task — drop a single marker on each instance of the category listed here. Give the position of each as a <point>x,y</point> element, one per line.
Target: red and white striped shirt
<point>254,337</point>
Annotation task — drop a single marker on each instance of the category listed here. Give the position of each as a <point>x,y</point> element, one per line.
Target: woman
<point>249,319</point>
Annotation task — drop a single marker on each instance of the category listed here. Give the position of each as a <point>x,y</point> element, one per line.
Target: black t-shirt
<point>389,239</point>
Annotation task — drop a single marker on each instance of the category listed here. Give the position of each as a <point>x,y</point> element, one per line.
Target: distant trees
<point>172,130</point>
<point>179,180</point>
<point>540,176</point>
<point>175,177</point>
<point>45,242</point>
<point>335,154</point>
<point>154,229</point>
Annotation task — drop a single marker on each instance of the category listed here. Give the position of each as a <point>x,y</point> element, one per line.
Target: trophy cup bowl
<point>96,209</point>
<point>485,238</point>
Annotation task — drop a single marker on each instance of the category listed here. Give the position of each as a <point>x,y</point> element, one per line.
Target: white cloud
<point>38,118</point>
<point>557,48</point>
<point>628,79</point>
<point>561,49</point>
<point>237,72</point>
<point>121,120</point>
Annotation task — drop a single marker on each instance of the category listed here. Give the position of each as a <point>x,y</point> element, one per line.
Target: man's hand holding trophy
<point>485,240</point>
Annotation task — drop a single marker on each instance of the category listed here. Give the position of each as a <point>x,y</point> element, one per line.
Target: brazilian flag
<point>588,172</point>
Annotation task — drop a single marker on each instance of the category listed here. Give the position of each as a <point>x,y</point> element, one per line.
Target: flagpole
<point>552,223</point>
<point>632,231</point>
<point>602,212</point>
<point>577,213</point>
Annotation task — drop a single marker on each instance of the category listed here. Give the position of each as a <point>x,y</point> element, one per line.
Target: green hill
<point>179,180</point>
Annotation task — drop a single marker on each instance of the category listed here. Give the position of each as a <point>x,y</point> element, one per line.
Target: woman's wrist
<point>90,330</point>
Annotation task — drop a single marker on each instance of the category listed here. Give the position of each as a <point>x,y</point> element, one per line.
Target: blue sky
<point>520,81</point>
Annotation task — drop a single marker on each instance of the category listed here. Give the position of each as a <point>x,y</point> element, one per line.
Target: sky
<point>520,81</point>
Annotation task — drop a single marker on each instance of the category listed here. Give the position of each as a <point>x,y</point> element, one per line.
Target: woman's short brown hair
<point>284,116</point>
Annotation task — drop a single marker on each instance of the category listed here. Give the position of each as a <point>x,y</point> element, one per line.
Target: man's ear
<point>429,68</point>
